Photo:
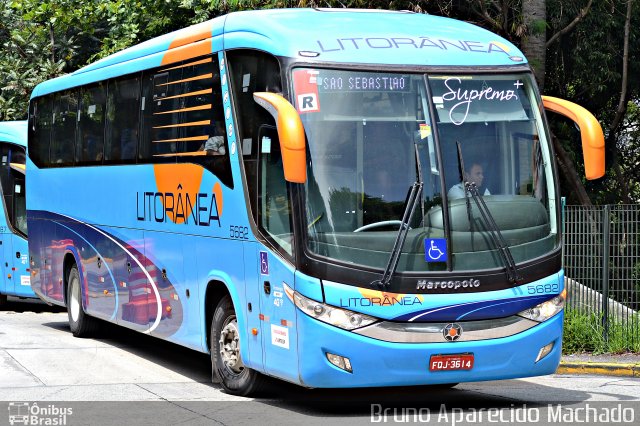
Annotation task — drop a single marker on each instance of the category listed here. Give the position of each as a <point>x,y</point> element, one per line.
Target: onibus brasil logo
<point>25,413</point>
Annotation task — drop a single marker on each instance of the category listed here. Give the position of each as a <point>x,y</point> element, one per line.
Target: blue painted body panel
<point>14,132</point>
<point>378,363</point>
<point>144,270</point>
<point>338,36</point>
<point>443,307</point>
<point>14,269</point>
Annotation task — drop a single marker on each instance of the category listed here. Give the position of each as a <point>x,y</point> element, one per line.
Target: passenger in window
<point>473,174</point>
<point>215,145</point>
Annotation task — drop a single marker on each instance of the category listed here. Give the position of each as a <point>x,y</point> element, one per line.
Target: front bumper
<point>379,363</point>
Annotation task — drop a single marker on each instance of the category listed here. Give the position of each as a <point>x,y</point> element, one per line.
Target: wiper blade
<point>494,232</point>
<point>492,227</point>
<point>414,196</point>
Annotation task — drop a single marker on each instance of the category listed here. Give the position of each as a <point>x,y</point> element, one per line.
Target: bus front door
<point>274,216</point>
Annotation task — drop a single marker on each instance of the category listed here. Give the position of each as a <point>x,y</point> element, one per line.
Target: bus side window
<point>89,149</point>
<point>275,207</point>
<point>162,115</point>
<point>41,119</point>
<point>123,99</point>
<point>252,71</point>
<point>19,205</point>
<point>182,117</point>
<point>65,117</point>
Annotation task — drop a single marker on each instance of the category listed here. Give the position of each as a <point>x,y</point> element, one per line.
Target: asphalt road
<point>125,377</point>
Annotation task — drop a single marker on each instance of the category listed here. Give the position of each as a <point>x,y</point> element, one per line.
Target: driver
<point>475,174</point>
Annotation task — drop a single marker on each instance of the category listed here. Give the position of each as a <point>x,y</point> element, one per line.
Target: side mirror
<point>590,132</point>
<point>290,133</point>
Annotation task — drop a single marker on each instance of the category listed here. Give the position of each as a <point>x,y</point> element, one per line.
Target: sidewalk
<point>626,365</point>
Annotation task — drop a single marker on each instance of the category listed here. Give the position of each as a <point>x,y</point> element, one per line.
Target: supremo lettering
<point>199,209</point>
<point>464,98</point>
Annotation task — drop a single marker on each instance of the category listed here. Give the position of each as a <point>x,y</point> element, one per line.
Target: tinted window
<point>65,114</point>
<point>91,124</point>
<point>123,108</point>
<point>252,72</point>
<point>12,160</point>
<point>183,117</point>
<point>40,129</point>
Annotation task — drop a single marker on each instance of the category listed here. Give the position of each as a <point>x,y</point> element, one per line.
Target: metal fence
<point>602,264</point>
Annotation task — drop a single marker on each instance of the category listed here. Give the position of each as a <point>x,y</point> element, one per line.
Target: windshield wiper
<point>492,227</point>
<point>415,195</point>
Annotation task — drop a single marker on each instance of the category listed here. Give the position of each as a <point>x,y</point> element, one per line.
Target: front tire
<point>226,362</point>
<point>81,324</point>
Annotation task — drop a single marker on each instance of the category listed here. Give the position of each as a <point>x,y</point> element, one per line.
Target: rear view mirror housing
<point>290,133</point>
<point>590,133</point>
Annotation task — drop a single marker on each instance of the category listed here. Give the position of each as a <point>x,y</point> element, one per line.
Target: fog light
<point>340,362</point>
<point>544,351</point>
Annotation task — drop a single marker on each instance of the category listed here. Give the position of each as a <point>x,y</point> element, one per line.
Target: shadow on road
<point>18,305</point>
<point>338,402</point>
<point>358,402</point>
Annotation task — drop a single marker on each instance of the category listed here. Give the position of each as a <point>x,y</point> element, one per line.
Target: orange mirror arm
<point>290,132</point>
<point>590,132</point>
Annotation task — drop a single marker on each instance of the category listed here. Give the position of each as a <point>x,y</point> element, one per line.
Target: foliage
<point>585,66</point>
<point>584,332</point>
<point>40,40</point>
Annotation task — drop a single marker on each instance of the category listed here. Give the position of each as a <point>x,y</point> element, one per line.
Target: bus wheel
<point>3,299</point>
<point>81,324</point>
<point>226,361</point>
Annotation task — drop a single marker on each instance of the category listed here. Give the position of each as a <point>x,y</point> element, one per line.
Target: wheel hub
<point>230,347</point>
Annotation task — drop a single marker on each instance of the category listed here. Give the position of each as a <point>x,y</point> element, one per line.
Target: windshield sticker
<point>425,131</point>
<point>463,98</point>
<point>435,249</point>
<point>306,87</point>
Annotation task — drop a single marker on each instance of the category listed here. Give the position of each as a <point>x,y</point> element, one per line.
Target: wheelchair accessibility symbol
<point>435,249</point>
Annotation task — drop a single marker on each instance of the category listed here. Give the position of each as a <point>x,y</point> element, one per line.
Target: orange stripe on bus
<point>187,177</point>
<point>202,61</point>
<point>193,123</point>
<point>198,77</point>
<point>185,95</point>
<point>193,138</point>
<point>183,154</point>
<point>186,52</point>
<point>196,108</point>
<point>192,34</point>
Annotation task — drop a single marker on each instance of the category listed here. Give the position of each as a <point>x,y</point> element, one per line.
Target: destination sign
<point>363,82</point>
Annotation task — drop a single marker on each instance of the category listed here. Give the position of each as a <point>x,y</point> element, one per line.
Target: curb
<point>599,368</point>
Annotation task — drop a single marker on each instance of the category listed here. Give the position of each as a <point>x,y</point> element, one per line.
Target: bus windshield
<point>368,132</point>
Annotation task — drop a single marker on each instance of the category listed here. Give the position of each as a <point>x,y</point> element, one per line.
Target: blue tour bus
<point>14,266</point>
<point>272,187</point>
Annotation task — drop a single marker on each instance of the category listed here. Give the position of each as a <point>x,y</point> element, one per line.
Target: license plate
<point>451,362</point>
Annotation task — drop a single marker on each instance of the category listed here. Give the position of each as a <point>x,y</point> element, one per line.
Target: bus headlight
<point>545,310</point>
<point>342,318</point>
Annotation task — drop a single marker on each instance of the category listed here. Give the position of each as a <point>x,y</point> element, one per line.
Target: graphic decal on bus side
<point>178,198</point>
<point>428,308</point>
<point>474,310</point>
<point>118,278</point>
<point>381,298</point>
